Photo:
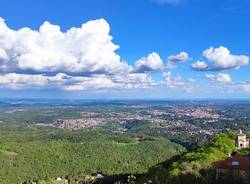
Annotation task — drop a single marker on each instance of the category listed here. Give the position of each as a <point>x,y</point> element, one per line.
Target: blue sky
<point>148,33</point>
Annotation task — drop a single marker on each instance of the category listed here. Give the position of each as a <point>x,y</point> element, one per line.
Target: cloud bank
<point>77,83</point>
<point>85,58</point>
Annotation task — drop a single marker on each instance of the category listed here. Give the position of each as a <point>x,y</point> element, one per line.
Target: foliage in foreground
<point>194,166</point>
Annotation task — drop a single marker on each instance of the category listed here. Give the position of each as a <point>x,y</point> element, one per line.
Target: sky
<point>125,49</point>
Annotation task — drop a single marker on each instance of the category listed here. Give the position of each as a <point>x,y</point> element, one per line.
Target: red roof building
<point>235,167</point>
<point>234,162</point>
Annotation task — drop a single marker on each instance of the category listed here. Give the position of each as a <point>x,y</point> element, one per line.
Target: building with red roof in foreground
<point>236,167</point>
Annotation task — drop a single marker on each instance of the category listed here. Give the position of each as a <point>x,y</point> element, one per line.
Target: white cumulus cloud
<point>222,59</point>
<point>77,59</point>
<point>88,49</point>
<point>152,62</point>
<point>199,65</point>
<point>182,56</point>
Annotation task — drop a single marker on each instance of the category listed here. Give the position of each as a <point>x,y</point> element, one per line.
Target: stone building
<point>241,140</point>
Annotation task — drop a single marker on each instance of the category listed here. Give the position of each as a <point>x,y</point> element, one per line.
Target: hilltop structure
<point>236,167</point>
<point>241,140</point>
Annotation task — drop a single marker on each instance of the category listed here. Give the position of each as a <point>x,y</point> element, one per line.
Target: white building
<point>242,141</point>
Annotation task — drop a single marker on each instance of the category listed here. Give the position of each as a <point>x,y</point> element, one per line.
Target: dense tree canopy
<point>43,153</point>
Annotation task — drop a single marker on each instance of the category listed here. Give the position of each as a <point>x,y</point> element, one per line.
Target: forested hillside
<point>193,166</point>
<point>44,153</point>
